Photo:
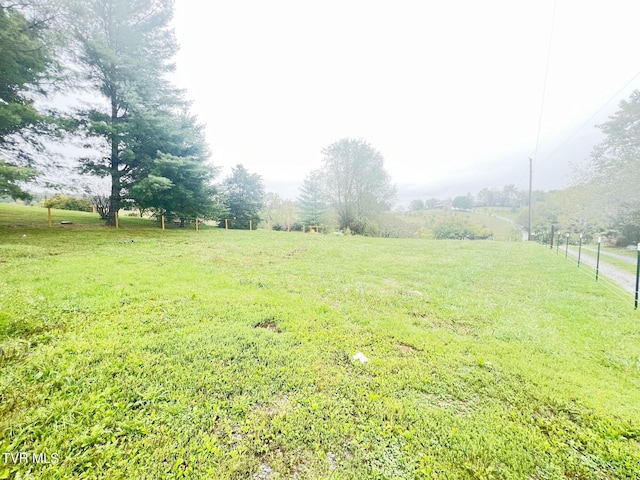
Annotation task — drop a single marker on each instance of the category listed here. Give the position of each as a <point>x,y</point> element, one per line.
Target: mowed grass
<point>228,355</point>
<point>23,217</point>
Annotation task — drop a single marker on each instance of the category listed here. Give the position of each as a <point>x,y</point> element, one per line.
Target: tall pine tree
<point>24,61</point>
<point>125,49</point>
<point>312,202</point>
<point>178,183</point>
<point>244,194</point>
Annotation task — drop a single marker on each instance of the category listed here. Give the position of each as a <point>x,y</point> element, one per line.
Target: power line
<point>550,155</point>
<point>546,76</point>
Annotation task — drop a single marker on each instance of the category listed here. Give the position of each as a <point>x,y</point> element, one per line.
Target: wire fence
<point>611,277</point>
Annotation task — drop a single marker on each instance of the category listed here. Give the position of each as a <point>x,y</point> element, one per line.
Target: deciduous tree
<point>357,184</point>
<point>463,202</point>
<point>279,213</point>
<point>416,205</point>
<point>613,173</point>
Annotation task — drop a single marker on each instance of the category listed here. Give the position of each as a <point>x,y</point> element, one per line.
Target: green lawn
<point>22,217</point>
<point>228,355</point>
<point>505,212</point>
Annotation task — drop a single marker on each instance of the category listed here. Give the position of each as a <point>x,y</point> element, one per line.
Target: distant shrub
<point>67,202</point>
<point>457,228</point>
<point>463,203</point>
<point>392,225</point>
<point>283,227</point>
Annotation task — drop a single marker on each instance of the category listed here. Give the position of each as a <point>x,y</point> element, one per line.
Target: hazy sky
<point>450,92</point>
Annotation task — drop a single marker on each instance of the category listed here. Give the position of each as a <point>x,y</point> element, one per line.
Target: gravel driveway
<point>626,280</point>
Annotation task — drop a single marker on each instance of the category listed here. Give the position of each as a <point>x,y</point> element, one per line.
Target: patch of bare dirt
<point>269,324</point>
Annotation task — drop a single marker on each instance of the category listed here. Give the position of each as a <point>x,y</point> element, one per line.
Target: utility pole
<point>530,184</point>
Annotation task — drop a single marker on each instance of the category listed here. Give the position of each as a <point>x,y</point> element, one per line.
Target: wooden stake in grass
<point>162,219</point>
<point>117,220</point>
<point>250,225</point>
<point>49,217</point>
<point>226,224</point>
<point>197,225</point>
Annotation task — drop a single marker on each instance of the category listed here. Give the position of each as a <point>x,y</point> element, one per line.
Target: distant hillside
<point>423,223</point>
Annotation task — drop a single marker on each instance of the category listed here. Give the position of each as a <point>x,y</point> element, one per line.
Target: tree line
<point>136,129</point>
<point>134,125</point>
<point>603,199</point>
<point>138,134</point>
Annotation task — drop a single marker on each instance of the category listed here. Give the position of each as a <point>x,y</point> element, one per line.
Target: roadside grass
<point>228,355</point>
<point>633,254</point>
<point>626,266</point>
<point>622,265</point>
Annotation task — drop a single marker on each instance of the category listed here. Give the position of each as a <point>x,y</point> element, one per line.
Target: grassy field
<point>501,229</point>
<point>221,354</point>
<point>506,212</point>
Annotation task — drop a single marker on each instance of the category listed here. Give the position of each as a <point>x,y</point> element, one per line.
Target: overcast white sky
<point>449,92</point>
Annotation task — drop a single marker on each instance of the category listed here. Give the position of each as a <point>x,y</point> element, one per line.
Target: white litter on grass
<point>333,461</point>
<point>360,356</point>
<point>265,472</point>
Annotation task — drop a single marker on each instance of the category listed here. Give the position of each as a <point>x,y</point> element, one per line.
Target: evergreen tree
<point>125,49</point>
<point>24,62</point>
<point>244,195</point>
<point>312,203</point>
<point>178,184</point>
